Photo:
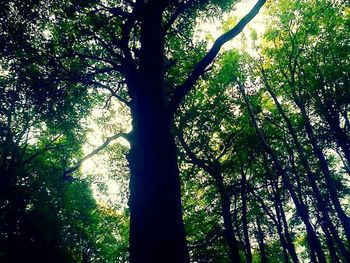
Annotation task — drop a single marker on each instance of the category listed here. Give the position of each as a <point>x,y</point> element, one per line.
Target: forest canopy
<point>174,131</point>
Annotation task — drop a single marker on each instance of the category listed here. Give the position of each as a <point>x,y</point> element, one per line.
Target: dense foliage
<point>262,136</point>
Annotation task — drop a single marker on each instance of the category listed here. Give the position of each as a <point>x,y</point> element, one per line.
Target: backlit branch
<point>114,93</point>
<point>183,89</point>
<point>94,152</point>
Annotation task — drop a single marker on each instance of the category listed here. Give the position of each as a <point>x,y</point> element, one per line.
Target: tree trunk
<point>261,243</point>
<point>333,119</point>
<point>344,219</point>
<point>277,222</point>
<point>322,205</point>
<point>244,217</point>
<point>321,157</point>
<point>314,244</point>
<point>282,217</point>
<point>330,244</point>
<point>156,228</point>
<point>214,170</point>
<point>228,224</point>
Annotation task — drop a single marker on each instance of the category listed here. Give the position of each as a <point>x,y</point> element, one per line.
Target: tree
<point>135,41</point>
<point>45,215</point>
<point>261,143</point>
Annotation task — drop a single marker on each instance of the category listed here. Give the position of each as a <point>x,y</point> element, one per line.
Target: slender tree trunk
<point>333,119</point>
<point>282,217</point>
<point>346,119</point>
<point>330,243</point>
<point>326,224</point>
<point>319,154</point>
<point>322,205</point>
<point>244,217</point>
<point>316,252</point>
<point>277,222</point>
<point>214,170</point>
<point>344,219</point>
<point>227,218</point>
<point>156,228</point>
<point>260,238</point>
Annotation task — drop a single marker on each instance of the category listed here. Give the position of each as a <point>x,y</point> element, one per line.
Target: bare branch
<point>94,152</point>
<point>106,87</point>
<point>183,89</point>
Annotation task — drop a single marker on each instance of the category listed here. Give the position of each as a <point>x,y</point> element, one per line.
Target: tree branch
<point>89,56</point>
<point>94,152</point>
<point>226,146</point>
<point>183,89</point>
<point>47,147</point>
<point>176,14</point>
<point>128,64</point>
<point>193,158</point>
<point>113,92</point>
<point>116,11</point>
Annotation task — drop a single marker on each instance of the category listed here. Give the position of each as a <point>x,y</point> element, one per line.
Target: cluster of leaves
<point>46,215</point>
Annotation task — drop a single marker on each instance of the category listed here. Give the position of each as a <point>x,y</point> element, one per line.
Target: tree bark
<point>156,228</point>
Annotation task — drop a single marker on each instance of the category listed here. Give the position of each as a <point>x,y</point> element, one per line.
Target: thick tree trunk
<point>156,228</point>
